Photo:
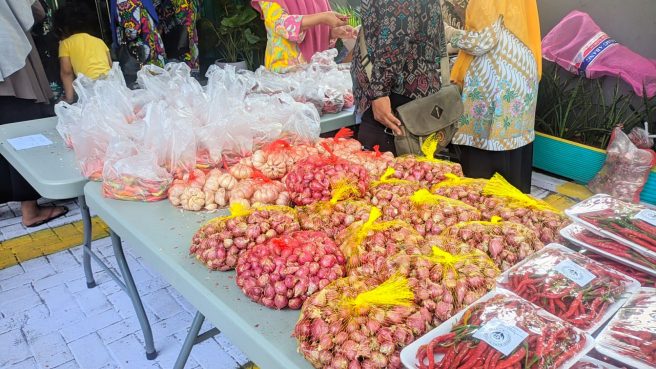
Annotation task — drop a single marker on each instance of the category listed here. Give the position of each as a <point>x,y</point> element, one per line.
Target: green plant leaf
<point>250,37</point>
<point>244,16</point>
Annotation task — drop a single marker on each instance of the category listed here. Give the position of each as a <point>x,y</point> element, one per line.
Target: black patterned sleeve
<point>386,25</point>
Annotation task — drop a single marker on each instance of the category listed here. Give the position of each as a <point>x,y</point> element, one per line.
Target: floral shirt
<point>185,13</point>
<point>499,92</point>
<point>402,38</point>
<point>283,34</point>
<point>137,28</point>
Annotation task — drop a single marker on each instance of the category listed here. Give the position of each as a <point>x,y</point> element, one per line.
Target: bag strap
<point>445,66</point>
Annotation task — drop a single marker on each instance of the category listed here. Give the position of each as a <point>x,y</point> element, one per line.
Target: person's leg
<point>517,167</point>
<point>13,187</point>
<point>476,163</point>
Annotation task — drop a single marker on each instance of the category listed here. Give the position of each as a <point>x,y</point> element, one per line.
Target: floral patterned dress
<point>137,28</point>
<point>184,13</point>
<point>283,34</point>
<point>500,90</point>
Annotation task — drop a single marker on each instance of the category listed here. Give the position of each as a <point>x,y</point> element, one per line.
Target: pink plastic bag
<point>581,47</point>
<point>626,169</point>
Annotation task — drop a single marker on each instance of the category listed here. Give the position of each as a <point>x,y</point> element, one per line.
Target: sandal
<point>49,218</point>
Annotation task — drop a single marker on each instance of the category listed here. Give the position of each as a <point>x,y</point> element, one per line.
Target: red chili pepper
<point>512,359</point>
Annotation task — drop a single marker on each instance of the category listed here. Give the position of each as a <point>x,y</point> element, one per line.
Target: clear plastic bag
<point>171,137</point>
<point>287,270</point>
<point>641,138</point>
<point>129,174</point>
<point>570,286</point>
<point>626,169</point>
<point>68,117</point>
<point>631,336</point>
<point>504,330</point>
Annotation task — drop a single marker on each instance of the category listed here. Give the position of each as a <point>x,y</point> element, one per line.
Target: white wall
<point>630,22</point>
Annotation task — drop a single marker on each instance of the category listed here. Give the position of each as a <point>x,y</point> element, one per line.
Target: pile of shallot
<point>429,214</point>
<point>360,323</point>
<point>221,241</point>
<point>315,178</point>
<point>332,217</point>
<point>507,243</point>
<point>372,241</point>
<point>387,188</point>
<point>286,270</point>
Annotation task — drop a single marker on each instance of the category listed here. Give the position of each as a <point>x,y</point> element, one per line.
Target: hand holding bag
<point>434,114</point>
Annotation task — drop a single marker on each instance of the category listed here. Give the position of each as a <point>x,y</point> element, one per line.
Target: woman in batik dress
<point>137,22</point>
<point>499,67</point>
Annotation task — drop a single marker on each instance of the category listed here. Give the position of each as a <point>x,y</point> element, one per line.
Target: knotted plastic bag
<point>626,169</point>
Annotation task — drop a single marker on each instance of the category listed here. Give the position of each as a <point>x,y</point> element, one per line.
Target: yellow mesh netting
<point>499,187</point>
<point>395,291</point>
<point>425,197</point>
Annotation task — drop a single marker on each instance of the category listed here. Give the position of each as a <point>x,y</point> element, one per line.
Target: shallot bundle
<point>314,178</point>
<point>334,215</point>
<point>370,242</point>
<point>386,189</point>
<point>221,241</point>
<point>286,270</point>
<point>360,323</point>
<point>467,190</point>
<point>430,214</point>
<point>443,283</point>
<point>425,169</point>
<point>342,144</point>
<point>518,207</point>
<point>507,243</point>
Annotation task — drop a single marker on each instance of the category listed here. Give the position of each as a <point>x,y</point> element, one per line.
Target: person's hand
<point>449,32</point>
<point>344,32</point>
<point>382,109</point>
<point>333,19</point>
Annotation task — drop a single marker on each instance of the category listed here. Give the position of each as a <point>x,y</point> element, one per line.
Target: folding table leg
<point>134,295</point>
<point>194,338</point>
<point>86,255</point>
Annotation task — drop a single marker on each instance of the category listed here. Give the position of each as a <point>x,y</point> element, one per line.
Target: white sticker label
<point>502,336</point>
<point>28,142</point>
<point>574,272</point>
<point>647,215</point>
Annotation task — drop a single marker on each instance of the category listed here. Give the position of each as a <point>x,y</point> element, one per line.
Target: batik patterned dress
<point>402,38</point>
<point>184,13</point>
<point>500,90</point>
<point>137,28</point>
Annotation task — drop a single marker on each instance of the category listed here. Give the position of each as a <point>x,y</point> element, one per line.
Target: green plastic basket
<point>577,162</point>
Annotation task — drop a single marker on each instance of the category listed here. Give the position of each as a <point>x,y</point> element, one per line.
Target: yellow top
<point>519,16</point>
<point>89,55</point>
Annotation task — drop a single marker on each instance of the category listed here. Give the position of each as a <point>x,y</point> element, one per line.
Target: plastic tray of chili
<point>572,234</point>
<point>570,286</point>
<point>498,329</point>
<point>630,224</point>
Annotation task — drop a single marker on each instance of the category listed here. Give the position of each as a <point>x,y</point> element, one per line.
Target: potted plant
<point>233,34</point>
<point>574,119</point>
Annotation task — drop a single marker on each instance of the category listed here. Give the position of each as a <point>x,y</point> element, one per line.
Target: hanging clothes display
<point>178,25</point>
<point>134,23</point>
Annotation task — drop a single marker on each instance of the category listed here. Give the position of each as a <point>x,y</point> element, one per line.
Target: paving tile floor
<point>49,319</point>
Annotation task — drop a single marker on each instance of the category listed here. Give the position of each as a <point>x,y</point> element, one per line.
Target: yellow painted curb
<point>47,241</point>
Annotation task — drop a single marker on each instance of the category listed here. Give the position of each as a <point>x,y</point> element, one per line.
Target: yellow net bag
<point>334,215</point>
<point>506,243</point>
<point>425,169</point>
<point>360,320</point>
<point>430,214</point>
<point>374,240</point>
<point>388,188</point>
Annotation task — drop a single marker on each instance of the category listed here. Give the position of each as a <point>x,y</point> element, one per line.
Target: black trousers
<point>13,187</point>
<point>516,166</point>
<point>372,133</point>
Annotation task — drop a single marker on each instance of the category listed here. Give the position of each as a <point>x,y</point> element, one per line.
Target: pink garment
<point>316,38</point>
<point>580,46</point>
